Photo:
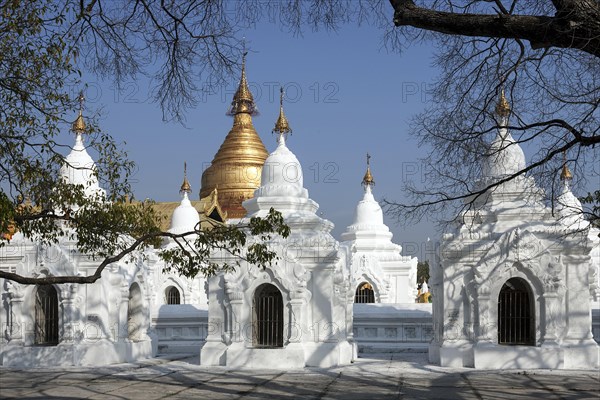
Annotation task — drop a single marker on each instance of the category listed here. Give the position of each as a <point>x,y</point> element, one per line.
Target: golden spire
<point>503,107</point>
<point>282,125</point>
<point>237,166</point>
<point>243,101</point>
<point>185,186</point>
<point>565,174</point>
<point>79,124</point>
<point>368,178</point>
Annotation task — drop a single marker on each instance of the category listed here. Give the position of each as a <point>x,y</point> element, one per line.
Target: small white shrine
<point>514,283</point>
<point>378,272</point>
<point>71,324</point>
<point>179,304</point>
<point>296,313</point>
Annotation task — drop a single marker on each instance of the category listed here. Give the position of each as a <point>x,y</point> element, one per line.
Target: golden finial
<point>243,101</point>
<point>185,186</point>
<point>503,107</point>
<point>565,174</point>
<point>368,178</point>
<point>79,124</point>
<point>282,125</point>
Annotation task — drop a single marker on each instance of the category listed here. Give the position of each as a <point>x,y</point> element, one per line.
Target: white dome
<point>79,169</point>
<point>368,211</point>
<point>505,156</point>
<point>569,209</point>
<point>282,173</point>
<point>368,227</point>
<point>185,218</point>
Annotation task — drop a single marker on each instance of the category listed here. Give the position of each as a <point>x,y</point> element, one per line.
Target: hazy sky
<point>346,96</point>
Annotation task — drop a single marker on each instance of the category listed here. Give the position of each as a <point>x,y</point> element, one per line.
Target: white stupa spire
<point>374,257</point>
<point>282,173</point>
<point>368,220</point>
<point>505,156</point>
<point>568,207</point>
<point>282,188</point>
<point>79,168</point>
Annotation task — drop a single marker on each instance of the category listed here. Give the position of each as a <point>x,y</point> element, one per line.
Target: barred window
<point>364,293</point>
<point>516,315</point>
<point>173,296</point>
<point>267,317</point>
<point>46,316</point>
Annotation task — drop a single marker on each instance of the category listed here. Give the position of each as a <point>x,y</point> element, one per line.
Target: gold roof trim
<point>503,106</point>
<point>211,203</point>
<point>368,178</point>
<point>282,125</point>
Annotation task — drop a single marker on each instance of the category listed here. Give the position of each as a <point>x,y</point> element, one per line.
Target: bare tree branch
<point>575,25</point>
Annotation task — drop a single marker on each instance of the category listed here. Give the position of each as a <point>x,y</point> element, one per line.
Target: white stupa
<point>268,316</point>
<point>568,207</point>
<point>79,168</point>
<point>74,324</point>
<point>514,283</point>
<point>505,157</point>
<point>185,217</point>
<point>375,261</point>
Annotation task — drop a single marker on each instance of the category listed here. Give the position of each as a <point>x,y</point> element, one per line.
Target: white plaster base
<point>518,357</point>
<point>581,355</point>
<point>328,354</point>
<point>213,353</point>
<point>293,355</point>
<point>240,356</point>
<point>101,352</point>
<point>455,354</point>
<point>434,353</point>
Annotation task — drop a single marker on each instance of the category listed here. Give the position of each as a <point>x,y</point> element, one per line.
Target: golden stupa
<point>237,166</point>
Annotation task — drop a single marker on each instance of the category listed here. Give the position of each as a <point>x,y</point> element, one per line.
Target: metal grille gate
<point>46,315</point>
<point>268,317</point>
<point>364,293</point>
<point>515,315</point>
<point>173,296</point>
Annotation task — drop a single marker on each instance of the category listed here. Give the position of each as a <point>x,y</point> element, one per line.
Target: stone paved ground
<point>390,376</point>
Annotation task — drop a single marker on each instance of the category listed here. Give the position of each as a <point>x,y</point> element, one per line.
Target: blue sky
<point>346,96</point>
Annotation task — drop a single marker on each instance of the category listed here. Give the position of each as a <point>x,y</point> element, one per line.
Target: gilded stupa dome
<point>236,168</point>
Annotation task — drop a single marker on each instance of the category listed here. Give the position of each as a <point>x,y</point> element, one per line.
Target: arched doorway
<point>364,293</point>
<point>516,314</point>
<point>267,315</point>
<point>46,316</point>
<point>172,295</point>
<point>135,313</point>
